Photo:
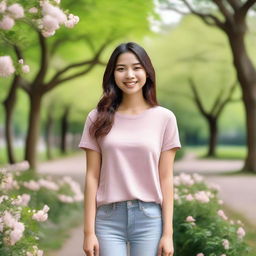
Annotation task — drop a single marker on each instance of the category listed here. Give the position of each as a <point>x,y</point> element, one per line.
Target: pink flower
<point>49,23</point>
<point>225,244</point>
<point>32,185</point>
<point>200,254</point>
<point>7,23</point>
<point>40,216</point>
<point>240,232</point>
<point>186,179</point>
<point>72,21</point>
<point>54,11</point>
<point>17,233</point>
<point>198,178</point>
<point>190,219</point>
<point>202,197</point>
<point>33,10</point>
<point>25,68</point>
<point>189,197</point>
<point>2,7</point>
<point>16,11</point>
<point>47,33</point>
<point>21,61</point>
<point>222,214</point>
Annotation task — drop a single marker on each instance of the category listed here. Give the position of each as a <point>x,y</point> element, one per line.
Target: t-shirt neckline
<point>131,116</point>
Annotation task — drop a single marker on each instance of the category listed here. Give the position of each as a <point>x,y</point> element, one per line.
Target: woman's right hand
<point>91,245</point>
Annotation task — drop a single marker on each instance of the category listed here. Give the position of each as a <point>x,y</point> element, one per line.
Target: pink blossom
<point>40,216</point>
<point>49,23</point>
<point>200,254</point>
<point>2,6</point>
<point>240,232</point>
<point>21,61</point>
<point>9,183</point>
<point>225,244</point>
<point>32,185</point>
<point>54,11</point>
<point>4,197</point>
<point>7,23</point>
<point>202,197</point>
<point>8,219</point>
<point>33,10</point>
<point>186,179</point>
<point>16,11</point>
<point>190,219</point>
<point>65,199</point>
<point>72,21</point>
<point>22,200</point>
<point>48,184</point>
<point>6,66</point>
<point>223,254</point>
<point>47,33</point>
<point>25,68</point>
<point>222,214</point>
<point>189,197</point>
<point>17,233</point>
<point>57,1</point>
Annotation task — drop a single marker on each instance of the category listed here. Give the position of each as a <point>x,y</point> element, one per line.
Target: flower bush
<point>27,201</point>
<point>201,227</point>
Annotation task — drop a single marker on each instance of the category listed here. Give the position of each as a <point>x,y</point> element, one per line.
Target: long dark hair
<point>112,94</point>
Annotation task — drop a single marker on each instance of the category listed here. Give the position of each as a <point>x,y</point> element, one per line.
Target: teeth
<point>131,83</point>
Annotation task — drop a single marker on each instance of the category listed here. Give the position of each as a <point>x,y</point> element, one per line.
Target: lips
<point>130,84</point>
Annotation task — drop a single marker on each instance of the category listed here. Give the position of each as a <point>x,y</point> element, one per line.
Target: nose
<point>130,73</point>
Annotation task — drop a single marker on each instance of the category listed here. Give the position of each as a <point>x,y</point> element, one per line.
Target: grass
<point>41,156</point>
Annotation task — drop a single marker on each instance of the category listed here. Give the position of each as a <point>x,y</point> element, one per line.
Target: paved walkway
<point>238,192</point>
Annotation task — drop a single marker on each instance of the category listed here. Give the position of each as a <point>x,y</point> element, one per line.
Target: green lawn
<point>223,152</point>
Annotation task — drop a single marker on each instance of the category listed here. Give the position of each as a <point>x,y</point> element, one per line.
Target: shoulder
<point>92,115</point>
<point>165,113</point>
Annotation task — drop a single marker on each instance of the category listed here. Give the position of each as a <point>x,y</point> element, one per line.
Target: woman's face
<point>130,76</point>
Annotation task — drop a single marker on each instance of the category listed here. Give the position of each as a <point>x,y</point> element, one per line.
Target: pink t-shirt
<point>130,154</point>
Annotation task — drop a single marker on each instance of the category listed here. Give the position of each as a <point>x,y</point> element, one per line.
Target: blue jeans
<point>133,221</point>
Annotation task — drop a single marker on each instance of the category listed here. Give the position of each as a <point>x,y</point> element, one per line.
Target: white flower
<point>222,214</point>
<point>33,10</point>
<point>50,23</point>
<point>7,23</point>
<point>240,232</point>
<point>54,11</point>
<point>16,11</point>
<point>25,68</point>
<point>202,197</point>
<point>225,244</point>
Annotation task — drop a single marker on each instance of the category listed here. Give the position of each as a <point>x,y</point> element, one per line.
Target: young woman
<point>130,142</point>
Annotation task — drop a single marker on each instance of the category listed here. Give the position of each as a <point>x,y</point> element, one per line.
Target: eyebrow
<point>125,65</point>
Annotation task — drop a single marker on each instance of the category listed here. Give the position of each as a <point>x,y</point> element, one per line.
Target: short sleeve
<point>171,135</point>
<point>88,141</point>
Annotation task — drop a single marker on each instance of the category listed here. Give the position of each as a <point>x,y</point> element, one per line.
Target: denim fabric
<point>133,221</point>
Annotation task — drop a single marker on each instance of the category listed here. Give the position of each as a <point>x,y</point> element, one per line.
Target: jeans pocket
<point>151,209</point>
<point>105,211</point>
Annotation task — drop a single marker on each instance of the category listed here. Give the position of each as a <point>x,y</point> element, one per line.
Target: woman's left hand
<point>165,247</point>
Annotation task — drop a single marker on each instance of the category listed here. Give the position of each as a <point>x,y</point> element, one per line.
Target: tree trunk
<point>9,104</point>
<point>246,74</point>
<point>64,130</point>
<point>33,129</point>
<point>48,130</point>
<point>212,123</point>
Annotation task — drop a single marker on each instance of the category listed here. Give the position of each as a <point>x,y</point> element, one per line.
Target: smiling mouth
<point>130,84</point>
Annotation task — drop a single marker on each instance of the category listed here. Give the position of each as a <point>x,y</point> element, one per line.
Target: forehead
<point>127,58</point>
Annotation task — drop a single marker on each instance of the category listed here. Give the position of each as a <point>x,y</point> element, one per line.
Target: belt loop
<point>140,204</point>
<point>113,206</point>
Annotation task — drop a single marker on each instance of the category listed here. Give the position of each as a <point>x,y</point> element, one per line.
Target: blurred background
<point>204,56</point>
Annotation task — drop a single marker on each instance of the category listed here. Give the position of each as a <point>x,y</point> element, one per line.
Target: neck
<point>133,102</point>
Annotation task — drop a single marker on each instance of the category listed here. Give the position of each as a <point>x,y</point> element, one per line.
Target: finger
<point>96,250</point>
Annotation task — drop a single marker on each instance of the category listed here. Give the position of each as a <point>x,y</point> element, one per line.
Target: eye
<point>120,69</point>
<point>138,67</point>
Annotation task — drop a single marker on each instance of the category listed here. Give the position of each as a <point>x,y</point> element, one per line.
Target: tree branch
<point>207,18</point>
<point>231,90</point>
<point>38,80</point>
<point>226,13</point>
<point>246,6</point>
<point>197,98</point>
<point>235,4</point>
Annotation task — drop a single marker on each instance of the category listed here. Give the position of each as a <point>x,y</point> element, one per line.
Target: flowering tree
<point>43,16</point>
<point>102,18</point>
<point>231,18</point>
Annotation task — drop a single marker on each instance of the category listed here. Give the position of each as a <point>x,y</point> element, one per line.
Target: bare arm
<point>93,164</point>
<point>166,181</point>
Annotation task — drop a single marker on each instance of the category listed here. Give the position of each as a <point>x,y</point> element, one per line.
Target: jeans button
<point>129,203</point>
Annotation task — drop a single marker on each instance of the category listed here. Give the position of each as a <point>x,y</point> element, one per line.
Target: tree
<point>231,17</point>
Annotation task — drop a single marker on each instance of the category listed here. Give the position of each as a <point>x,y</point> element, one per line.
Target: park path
<point>237,192</point>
